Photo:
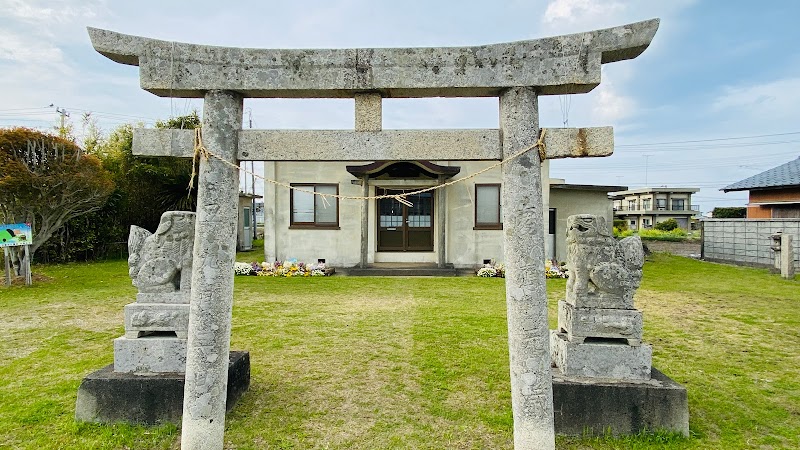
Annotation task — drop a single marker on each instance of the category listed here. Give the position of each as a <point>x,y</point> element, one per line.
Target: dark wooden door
<point>404,228</point>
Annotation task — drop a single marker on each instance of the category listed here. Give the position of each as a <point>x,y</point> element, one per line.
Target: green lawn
<point>373,363</point>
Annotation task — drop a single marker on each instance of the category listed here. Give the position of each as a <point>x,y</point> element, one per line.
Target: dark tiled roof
<point>784,175</point>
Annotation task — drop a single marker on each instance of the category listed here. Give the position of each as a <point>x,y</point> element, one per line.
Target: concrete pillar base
<point>106,396</point>
<point>585,405</point>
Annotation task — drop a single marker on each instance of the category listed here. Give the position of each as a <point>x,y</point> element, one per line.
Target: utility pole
<point>646,161</point>
<point>64,114</point>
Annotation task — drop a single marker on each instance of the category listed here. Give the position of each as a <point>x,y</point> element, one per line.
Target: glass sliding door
<point>405,228</point>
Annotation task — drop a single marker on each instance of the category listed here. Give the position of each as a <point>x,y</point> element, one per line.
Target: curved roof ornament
<point>568,64</point>
<point>403,169</point>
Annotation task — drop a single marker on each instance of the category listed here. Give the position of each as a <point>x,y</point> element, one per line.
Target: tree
<point>145,188</point>
<point>148,186</point>
<point>47,180</point>
<point>733,212</point>
<point>667,225</point>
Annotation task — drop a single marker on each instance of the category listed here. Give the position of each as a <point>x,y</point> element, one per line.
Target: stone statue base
<point>142,319</point>
<point>594,406</point>
<point>151,354</point>
<point>604,359</point>
<point>108,396</point>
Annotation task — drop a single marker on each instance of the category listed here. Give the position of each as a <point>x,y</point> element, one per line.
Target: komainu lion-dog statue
<point>603,272</point>
<point>162,261</point>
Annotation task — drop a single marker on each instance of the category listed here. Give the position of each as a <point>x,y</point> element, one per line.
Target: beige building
<point>457,226</point>
<point>642,208</point>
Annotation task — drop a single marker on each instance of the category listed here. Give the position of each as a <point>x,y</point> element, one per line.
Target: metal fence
<point>746,241</point>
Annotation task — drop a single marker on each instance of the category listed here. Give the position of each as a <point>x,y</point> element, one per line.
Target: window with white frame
<point>309,210</point>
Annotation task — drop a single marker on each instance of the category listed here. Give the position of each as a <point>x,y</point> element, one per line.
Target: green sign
<point>12,235</point>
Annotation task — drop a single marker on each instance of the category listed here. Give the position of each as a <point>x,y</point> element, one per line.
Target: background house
<point>774,193</point>
<point>457,226</point>
<point>644,207</point>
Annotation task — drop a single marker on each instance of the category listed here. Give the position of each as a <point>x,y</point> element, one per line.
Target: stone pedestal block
<point>581,323</point>
<point>594,406</point>
<point>106,396</point>
<point>163,297</point>
<point>600,300</point>
<point>600,360</point>
<point>142,318</point>
<point>150,354</point>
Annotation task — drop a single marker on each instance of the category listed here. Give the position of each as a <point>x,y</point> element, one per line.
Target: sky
<point>713,100</point>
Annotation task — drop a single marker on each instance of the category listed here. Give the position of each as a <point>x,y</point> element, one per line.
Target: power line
<point>711,140</point>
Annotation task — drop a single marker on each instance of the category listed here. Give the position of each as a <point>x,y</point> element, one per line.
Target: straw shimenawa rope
<point>201,150</point>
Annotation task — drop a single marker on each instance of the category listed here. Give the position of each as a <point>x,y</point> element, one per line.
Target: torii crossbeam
<point>516,72</point>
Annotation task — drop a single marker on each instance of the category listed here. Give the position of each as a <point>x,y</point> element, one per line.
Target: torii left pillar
<point>212,276</point>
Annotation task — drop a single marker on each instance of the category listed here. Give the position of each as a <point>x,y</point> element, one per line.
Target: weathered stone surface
<point>369,112</point>
<point>163,297</point>
<point>162,261</point>
<point>150,354</point>
<point>526,291</point>
<point>141,318</point>
<point>601,360</point>
<point>106,396</point>
<point>556,65</point>
<point>203,423</point>
<point>787,257</point>
<point>581,323</point>
<point>604,273</point>
<point>386,145</point>
<point>598,406</point>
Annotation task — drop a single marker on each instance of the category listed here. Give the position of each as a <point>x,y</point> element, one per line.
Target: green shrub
<point>623,233</point>
<point>734,212</point>
<point>621,224</point>
<point>675,235</point>
<point>658,235</point>
<point>667,225</point>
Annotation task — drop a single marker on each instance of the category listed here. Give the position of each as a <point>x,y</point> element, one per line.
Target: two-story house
<point>644,207</point>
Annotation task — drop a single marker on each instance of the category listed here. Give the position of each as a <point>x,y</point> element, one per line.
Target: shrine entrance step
<point>402,270</point>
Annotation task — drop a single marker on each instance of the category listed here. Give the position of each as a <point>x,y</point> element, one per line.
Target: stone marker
<point>516,72</point>
<point>597,351</point>
<point>781,246</point>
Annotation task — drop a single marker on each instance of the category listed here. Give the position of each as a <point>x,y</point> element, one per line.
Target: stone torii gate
<point>516,72</point>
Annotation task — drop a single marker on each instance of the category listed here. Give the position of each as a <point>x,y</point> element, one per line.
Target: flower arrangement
<point>552,269</point>
<point>289,268</point>
<point>240,268</point>
<point>492,270</point>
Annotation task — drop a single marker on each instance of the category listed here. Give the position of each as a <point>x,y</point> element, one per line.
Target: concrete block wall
<point>747,241</point>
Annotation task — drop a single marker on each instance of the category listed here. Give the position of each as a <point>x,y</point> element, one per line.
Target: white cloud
<point>771,98</point>
<point>576,10</point>
<point>609,106</point>
<point>19,48</point>
<point>34,12</point>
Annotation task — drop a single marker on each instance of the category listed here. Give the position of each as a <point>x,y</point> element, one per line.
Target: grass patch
<point>367,363</point>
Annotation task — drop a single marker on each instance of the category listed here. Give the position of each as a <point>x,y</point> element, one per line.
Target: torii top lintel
<point>568,64</point>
